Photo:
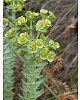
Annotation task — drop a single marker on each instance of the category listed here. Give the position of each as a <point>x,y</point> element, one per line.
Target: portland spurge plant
<point>28,40</point>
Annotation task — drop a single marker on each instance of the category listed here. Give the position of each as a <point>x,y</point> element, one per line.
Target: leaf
<point>8,64</point>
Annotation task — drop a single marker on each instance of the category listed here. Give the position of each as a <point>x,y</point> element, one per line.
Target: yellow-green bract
<point>11,33</point>
<point>43,25</point>
<point>31,16</point>
<point>39,43</point>
<point>51,55</point>
<point>23,38</point>
<point>43,54</point>
<point>53,44</point>
<point>32,47</point>
<point>21,20</point>
<point>5,21</point>
<point>43,11</point>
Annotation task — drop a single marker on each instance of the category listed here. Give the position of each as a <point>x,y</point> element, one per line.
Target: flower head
<point>43,54</point>
<point>18,7</point>
<point>23,34</point>
<point>54,45</point>
<point>51,14</point>
<point>51,42</point>
<point>14,41</point>
<point>32,47</point>
<point>21,20</point>
<point>51,55</point>
<point>31,16</point>
<point>5,21</point>
<point>28,14</point>
<point>39,43</point>
<point>43,11</point>
<point>10,33</point>
<point>47,23</point>
<point>23,38</point>
<point>41,24</point>
<point>57,45</point>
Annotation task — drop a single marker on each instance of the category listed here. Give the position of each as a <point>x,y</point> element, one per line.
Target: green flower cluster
<point>15,5</point>
<point>29,16</point>
<point>41,46</point>
<point>47,55</point>
<point>45,23</point>
<point>43,50</point>
<point>47,14</point>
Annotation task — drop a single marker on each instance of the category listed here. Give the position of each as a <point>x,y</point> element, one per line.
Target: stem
<point>38,35</point>
<point>31,28</point>
<point>13,17</point>
<point>9,63</point>
<point>31,82</point>
<point>10,24</point>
